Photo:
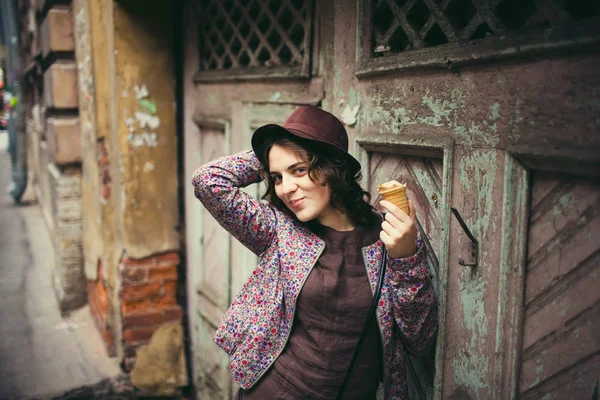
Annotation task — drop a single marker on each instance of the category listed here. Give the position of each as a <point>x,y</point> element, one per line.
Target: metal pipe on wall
<point>16,125</point>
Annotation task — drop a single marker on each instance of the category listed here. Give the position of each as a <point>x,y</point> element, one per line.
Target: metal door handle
<point>474,242</point>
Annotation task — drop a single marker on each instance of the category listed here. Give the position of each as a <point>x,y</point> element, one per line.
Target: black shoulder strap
<point>370,316</point>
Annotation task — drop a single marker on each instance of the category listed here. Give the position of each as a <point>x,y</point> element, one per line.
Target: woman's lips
<point>296,203</point>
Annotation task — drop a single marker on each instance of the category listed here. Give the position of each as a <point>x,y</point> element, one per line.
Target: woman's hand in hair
<point>399,231</point>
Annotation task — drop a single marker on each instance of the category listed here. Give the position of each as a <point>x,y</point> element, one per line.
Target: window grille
<point>404,25</point>
<point>246,38</point>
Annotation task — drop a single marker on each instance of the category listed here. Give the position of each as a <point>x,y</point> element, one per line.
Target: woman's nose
<point>288,185</point>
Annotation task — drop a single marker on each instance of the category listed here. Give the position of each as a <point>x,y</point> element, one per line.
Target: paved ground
<point>41,354</point>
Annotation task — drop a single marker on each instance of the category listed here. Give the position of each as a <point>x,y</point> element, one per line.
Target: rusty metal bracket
<point>474,242</point>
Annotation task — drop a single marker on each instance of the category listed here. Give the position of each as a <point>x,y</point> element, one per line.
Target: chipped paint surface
<point>445,111</point>
<point>349,114</point>
<point>477,175</point>
<point>471,367</point>
<point>276,96</point>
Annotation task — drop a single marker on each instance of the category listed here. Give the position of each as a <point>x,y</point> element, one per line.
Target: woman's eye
<point>300,171</point>
<point>276,178</point>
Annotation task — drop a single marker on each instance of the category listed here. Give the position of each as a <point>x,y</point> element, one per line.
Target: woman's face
<point>306,198</point>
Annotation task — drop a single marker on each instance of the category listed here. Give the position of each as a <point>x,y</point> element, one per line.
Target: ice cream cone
<point>395,193</point>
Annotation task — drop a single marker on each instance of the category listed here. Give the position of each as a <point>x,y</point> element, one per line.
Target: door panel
<point>562,300</point>
<point>424,177</point>
<point>213,380</point>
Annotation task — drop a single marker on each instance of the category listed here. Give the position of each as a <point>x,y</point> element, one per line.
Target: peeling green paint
<point>480,168</point>
<point>563,202</point>
<point>565,199</point>
<point>336,83</point>
<point>441,109</point>
<point>495,114</point>
<point>440,112</point>
<point>471,371</point>
<point>148,105</point>
<point>213,98</point>
<point>276,96</point>
<point>477,175</point>
<point>403,117</point>
<point>547,396</point>
<point>539,369</point>
<point>514,121</point>
<point>353,98</point>
<point>534,383</point>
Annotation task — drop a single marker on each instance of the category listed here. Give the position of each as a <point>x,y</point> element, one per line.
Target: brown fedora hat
<point>310,124</point>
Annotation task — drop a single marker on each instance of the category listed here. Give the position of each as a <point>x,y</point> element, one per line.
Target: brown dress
<point>330,315</point>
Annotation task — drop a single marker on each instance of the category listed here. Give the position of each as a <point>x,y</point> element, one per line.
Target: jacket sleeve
<point>414,305</point>
<point>218,186</point>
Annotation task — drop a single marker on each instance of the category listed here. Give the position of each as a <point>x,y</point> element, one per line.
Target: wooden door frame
<point>440,148</point>
<point>513,258</point>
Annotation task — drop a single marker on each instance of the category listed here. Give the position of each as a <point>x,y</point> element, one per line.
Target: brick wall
<point>99,300</point>
<point>54,140</point>
<point>148,298</point>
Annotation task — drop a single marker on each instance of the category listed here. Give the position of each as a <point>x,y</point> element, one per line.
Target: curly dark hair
<point>346,193</point>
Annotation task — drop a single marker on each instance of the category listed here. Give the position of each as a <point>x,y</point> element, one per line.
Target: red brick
<point>133,275</point>
<point>173,314</point>
<point>105,175</point>
<point>165,272</point>
<point>130,262</point>
<point>97,309</point>
<point>162,302</point>
<point>97,296</point>
<point>132,335</point>
<point>135,306</point>
<point>170,289</point>
<point>140,291</point>
<point>171,258</point>
<point>106,192</point>
<point>148,318</point>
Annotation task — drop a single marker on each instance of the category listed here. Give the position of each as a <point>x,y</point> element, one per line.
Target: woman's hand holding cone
<point>399,231</point>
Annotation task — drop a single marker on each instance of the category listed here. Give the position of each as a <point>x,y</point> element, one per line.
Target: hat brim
<point>262,134</point>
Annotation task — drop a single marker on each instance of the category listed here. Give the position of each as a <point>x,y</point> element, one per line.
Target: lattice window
<point>403,25</point>
<point>264,37</point>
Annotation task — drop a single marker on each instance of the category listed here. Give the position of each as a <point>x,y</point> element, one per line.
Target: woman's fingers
<point>395,213</point>
<point>411,209</point>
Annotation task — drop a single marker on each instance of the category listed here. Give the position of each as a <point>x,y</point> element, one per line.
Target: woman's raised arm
<point>218,186</point>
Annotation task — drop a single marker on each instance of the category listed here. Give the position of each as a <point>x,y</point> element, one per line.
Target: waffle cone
<point>396,196</point>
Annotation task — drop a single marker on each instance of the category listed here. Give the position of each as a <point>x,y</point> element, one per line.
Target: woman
<point>293,328</point>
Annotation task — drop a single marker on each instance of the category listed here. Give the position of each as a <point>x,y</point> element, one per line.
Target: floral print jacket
<point>256,327</point>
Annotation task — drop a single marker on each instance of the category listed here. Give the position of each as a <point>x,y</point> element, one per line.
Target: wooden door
<point>236,55</point>
<point>560,355</point>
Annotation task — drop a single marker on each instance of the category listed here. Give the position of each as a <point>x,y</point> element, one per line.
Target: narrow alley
<point>42,354</point>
